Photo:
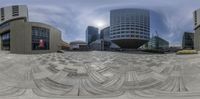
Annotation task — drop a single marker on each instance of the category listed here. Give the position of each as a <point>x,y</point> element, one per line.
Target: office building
<point>100,45</point>
<point>91,34</point>
<point>78,46</point>
<point>105,33</point>
<point>197,29</point>
<point>188,40</point>
<point>129,28</point>
<point>18,35</point>
<point>158,43</point>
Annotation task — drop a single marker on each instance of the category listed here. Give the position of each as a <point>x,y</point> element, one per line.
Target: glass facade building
<point>188,40</point>
<point>105,33</point>
<point>91,34</point>
<point>158,43</point>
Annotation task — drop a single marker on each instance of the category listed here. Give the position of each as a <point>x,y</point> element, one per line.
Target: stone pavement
<point>96,74</point>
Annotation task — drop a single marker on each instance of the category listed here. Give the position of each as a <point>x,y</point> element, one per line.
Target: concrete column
<point>197,39</point>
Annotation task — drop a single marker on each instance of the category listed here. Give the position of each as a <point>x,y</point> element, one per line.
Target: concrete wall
<point>17,36</point>
<point>197,39</point>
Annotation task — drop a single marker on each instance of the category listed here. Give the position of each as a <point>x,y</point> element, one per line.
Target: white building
<point>13,12</point>
<point>129,28</point>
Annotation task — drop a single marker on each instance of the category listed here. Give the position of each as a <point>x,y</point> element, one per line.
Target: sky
<point>170,18</point>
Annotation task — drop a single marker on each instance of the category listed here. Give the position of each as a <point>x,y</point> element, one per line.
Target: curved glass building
<point>129,28</point>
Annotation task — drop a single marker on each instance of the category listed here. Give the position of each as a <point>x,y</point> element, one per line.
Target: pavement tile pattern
<point>99,75</point>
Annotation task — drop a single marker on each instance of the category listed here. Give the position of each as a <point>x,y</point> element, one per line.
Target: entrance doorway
<point>5,41</point>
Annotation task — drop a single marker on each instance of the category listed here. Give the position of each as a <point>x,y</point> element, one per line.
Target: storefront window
<point>40,38</point>
<point>5,39</point>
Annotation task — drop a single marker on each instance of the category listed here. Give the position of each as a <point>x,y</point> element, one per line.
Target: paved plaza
<point>104,75</point>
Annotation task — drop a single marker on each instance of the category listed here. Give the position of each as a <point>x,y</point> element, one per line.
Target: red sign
<point>41,43</point>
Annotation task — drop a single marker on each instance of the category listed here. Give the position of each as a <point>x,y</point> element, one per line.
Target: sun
<point>99,23</point>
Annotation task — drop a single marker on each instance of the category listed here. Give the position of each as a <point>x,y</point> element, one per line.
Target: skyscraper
<point>105,33</point>
<point>197,29</point>
<point>91,34</point>
<point>129,28</point>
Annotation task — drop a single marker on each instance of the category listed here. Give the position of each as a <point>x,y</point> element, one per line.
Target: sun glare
<point>100,23</point>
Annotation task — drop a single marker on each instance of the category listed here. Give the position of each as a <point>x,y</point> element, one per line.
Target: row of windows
<point>195,17</point>
<point>40,38</point>
<point>2,14</point>
<point>130,26</point>
<point>135,29</point>
<point>37,31</point>
<point>15,10</point>
<point>137,36</point>
<point>138,20</point>
<point>129,22</point>
<point>130,17</point>
<point>5,36</point>
<point>129,13</point>
<point>132,32</point>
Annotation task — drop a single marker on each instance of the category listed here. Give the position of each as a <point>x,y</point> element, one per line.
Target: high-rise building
<point>196,15</point>
<point>18,35</point>
<point>129,28</point>
<point>105,39</point>
<point>188,40</point>
<point>105,33</point>
<point>91,34</point>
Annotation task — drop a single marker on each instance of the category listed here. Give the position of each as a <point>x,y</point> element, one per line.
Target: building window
<point>40,38</point>
<point>15,10</point>
<point>2,14</point>
<point>5,41</point>
<point>195,17</point>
